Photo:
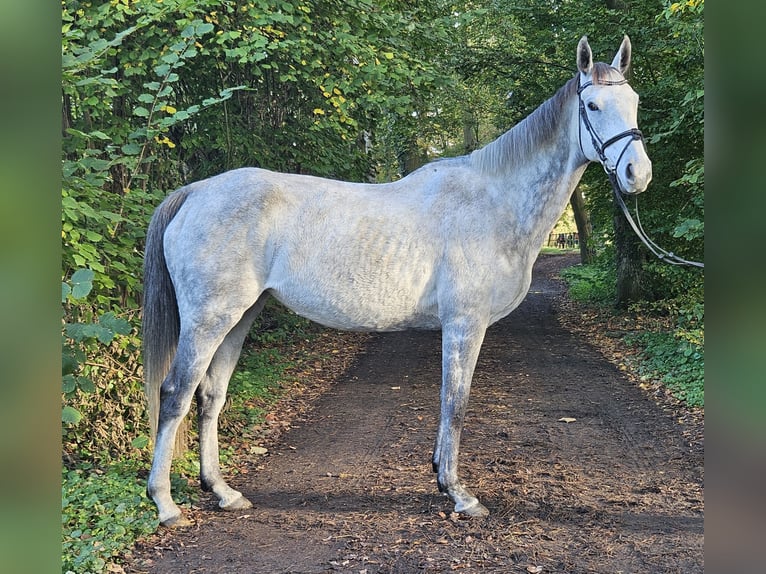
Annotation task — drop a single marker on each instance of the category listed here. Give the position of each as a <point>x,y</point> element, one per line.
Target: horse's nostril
<point>629,172</point>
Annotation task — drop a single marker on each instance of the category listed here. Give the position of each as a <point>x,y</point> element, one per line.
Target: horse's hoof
<point>178,521</point>
<point>239,503</point>
<point>477,510</point>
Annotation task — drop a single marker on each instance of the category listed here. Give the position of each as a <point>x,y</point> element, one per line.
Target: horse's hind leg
<point>200,338</point>
<point>211,395</point>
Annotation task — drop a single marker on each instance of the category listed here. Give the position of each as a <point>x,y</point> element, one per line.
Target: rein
<point>663,255</point>
<point>600,146</point>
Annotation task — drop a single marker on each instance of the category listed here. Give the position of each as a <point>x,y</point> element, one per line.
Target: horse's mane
<point>538,128</point>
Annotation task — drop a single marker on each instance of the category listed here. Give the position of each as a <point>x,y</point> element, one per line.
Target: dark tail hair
<point>160,321</point>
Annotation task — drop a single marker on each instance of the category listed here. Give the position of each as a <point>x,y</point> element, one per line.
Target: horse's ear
<point>622,58</point>
<point>584,56</point>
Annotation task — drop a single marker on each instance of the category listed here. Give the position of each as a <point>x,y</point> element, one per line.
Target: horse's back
<point>354,256</point>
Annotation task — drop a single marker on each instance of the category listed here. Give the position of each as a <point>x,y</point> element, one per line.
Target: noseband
<point>598,144</point>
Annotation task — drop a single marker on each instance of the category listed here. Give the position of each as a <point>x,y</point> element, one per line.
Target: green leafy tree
<point>156,94</point>
<point>120,70</point>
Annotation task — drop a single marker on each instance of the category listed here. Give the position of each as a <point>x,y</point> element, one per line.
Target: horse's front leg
<point>461,342</point>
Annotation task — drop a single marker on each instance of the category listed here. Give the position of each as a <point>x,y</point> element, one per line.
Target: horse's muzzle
<point>633,180</point>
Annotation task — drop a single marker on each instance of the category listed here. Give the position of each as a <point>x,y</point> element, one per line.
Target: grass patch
<point>557,251</point>
<point>256,384</point>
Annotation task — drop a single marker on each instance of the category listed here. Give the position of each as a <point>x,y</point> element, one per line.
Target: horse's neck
<point>536,179</point>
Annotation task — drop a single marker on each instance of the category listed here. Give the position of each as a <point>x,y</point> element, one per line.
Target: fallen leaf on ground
<point>566,420</point>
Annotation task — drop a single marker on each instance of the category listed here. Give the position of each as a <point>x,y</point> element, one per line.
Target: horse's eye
<point>592,107</point>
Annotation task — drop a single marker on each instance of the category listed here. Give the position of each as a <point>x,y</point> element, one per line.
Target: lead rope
<point>663,255</point>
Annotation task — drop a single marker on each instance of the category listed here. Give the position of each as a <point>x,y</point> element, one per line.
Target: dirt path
<point>350,489</point>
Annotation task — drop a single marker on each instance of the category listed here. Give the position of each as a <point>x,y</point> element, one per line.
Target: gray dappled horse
<point>449,247</point>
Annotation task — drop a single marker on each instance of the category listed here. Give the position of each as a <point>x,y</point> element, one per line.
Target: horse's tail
<point>160,321</point>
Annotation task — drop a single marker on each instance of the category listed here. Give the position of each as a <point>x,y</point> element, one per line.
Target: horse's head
<point>608,127</point>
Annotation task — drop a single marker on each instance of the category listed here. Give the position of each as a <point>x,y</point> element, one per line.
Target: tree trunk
<point>411,158</point>
<point>584,227</point>
<point>470,132</point>
<point>617,5</point>
<point>630,262</point>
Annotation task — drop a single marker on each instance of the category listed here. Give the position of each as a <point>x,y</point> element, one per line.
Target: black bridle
<point>600,146</point>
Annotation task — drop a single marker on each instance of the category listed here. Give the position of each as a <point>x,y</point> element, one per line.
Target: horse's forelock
<point>603,73</point>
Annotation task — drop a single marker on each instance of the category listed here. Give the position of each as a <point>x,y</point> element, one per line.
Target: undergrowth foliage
<point>104,510</point>
<point>674,355</point>
<point>101,512</point>
<point>677,359</point>
<point>98,364</point>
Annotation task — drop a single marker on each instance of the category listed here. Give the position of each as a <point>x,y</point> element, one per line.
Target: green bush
<point>678,293</point>
<point>592,284</point>
<point>677,359</point>
<point>102,396</point>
